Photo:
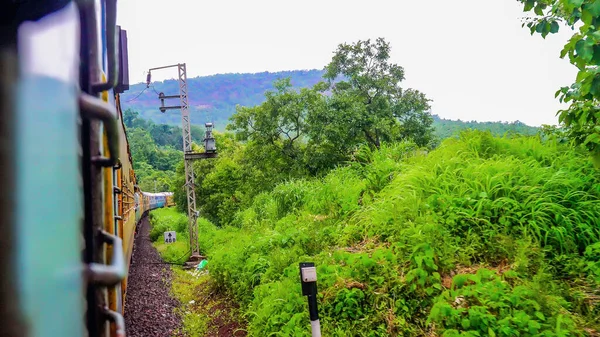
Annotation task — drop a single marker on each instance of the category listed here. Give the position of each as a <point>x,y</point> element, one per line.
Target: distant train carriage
<point>151,201</point>
<point>170,200</point>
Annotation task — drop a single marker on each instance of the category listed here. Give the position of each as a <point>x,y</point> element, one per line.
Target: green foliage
<point>156,151</point>
<point>185,289</point>
<point>592,261</point>
<point>305,133</point>
<point>389,231</point>
<point>279,124</point>
<point>445,128</point>
<point>369,106</point>
<point>168,219</point>
<point>485,304</point>
<point>583,115</point>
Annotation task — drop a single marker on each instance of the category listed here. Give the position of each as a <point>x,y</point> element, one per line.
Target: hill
<point>212,98</point>
<point>445,128</point>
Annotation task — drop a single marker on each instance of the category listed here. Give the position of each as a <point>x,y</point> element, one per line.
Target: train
<point>70,202</point>
<point>151,201</point>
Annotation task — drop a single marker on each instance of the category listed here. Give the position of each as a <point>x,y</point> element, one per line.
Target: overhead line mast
<point>189,155</point>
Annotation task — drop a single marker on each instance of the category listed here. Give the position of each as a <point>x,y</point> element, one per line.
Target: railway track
<point>149,307</point>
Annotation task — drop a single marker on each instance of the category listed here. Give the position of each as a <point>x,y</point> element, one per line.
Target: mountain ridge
<point>213,98</point>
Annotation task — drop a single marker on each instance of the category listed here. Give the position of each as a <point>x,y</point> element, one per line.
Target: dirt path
<point>149,307</point>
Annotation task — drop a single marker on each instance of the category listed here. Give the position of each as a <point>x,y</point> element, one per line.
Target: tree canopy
<point>368,103</point>
<point>583,49</point>
<point>361,103</point>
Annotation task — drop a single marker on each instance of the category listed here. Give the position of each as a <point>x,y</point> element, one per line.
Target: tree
<point>279,123</point>
<point>129,116</point>
<point>368,105</point>
<point>142,146</point>
<point>582,117</point>
<point>132,119</point>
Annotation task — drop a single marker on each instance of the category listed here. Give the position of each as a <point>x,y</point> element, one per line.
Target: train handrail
<point>109,275</point>
<point>93,107</point>
<point>112,56</point>
<point>118,320</point>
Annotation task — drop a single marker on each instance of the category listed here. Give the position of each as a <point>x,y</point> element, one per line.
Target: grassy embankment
<point>483,236</point>
<point>203,310</point>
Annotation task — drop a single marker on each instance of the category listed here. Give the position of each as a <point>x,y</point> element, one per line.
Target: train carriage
<point>70,200</point>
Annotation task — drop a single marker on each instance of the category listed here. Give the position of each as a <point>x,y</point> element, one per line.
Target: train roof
<point>159,194</point>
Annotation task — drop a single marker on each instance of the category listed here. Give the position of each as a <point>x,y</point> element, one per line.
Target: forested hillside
<point>211,98</point>
<point>214,98</point>
<point>157,150</point>
<point>445,128</point>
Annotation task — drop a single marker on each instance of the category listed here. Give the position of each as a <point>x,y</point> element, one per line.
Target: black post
<point>308,278</point>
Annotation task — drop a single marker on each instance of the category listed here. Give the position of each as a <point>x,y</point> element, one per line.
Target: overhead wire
<point>141,92</point>
<point>155,90</point>
<point>138,95</point>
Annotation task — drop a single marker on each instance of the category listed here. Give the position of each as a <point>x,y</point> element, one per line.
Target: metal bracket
<point>199,155</point>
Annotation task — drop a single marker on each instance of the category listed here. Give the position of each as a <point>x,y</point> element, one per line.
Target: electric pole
<point>189,156</point>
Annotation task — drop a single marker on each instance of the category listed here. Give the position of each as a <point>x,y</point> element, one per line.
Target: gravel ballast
<point>149,307</point>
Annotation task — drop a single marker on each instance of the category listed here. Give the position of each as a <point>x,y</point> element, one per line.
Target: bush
<point>516,218</point>
<point>167,219</point>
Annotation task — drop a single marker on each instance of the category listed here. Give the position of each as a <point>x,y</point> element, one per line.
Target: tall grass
<point>394,232</point>
<point>168,219</point>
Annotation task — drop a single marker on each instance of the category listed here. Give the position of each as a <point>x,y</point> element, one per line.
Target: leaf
<point>491,332</point>
<point>540,315</point>
<point>596,58</point>
<point>594,8</point>
<point>585,49</point>
<point>529,5</point>
<point>576,3</point>
<point>465,323</point>
<point>459,280</point>
<point>539,10</point>
<point>595,90</point>
<point>554,27</point>
<point>533,326</point>
<point>546,29</point>
<point>585,88</point>
<point>592,138</point>
<point>540,26</point>
<point>587,17</point>
<point>582,75</point>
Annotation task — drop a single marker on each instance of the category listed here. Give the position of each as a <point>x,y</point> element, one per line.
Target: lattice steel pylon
<point>189,169</point>
<point>187,152</point>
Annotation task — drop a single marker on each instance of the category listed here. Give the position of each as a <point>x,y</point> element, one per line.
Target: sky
<point>472,58</point>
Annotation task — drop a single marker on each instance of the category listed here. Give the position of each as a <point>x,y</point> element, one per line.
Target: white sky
<point>471,57</point>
